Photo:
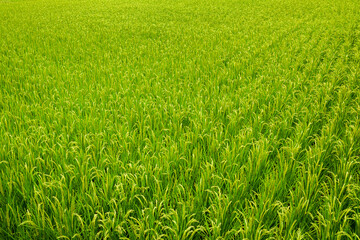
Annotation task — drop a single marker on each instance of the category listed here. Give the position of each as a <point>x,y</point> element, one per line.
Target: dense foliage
<point>183,119</point>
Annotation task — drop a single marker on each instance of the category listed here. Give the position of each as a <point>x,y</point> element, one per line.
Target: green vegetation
<point>182,119</point>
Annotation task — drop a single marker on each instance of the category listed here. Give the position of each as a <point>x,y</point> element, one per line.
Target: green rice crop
<point>180,119</point>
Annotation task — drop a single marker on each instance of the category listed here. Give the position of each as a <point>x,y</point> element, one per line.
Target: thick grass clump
<point>180,119</point>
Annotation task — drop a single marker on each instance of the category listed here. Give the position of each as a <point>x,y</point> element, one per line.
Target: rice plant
<point>201,119</point>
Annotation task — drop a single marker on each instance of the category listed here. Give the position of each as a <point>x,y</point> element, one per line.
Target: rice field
<point>181,119</point>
